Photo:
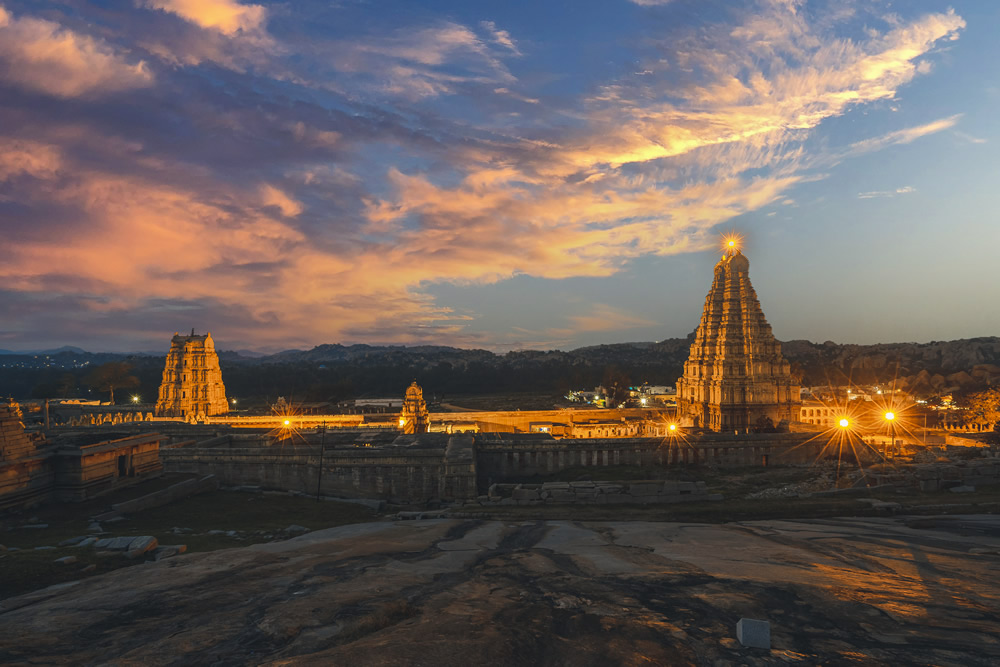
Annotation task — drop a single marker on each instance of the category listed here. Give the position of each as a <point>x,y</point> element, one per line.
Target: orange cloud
<point>226,16</point>
<point>43,56</point>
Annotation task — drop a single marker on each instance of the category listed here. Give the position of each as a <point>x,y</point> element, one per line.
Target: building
<point>73,467</point>
<point>735,378</point>
<point>192,380</point>
<point>414,417</point>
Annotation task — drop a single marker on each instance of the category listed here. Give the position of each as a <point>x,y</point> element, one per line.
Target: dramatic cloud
<point>226,16</point>
<point>43,56</point>
<point>300,186</point>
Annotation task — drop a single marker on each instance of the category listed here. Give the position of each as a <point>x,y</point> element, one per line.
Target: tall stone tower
<point>735,377</point>
<point>192,380</point>
<point>414,417</point>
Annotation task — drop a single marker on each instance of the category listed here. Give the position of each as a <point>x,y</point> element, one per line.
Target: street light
<point>673,427</point>
<point>891,424</point>
<point>322,448</point>
<point>844,422</point>
<point>135,399</point>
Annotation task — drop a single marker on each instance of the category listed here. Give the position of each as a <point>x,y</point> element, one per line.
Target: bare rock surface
<point>873,591</point>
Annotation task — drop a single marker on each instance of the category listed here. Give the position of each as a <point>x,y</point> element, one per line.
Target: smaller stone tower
<point>192,380</point>
<point>14,442</point>
<point>414,418</point>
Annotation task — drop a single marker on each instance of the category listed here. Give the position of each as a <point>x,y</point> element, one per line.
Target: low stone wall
<point>645,492</point>
<point>397,474</point>
<point>188,487</point>
<point>513,456</point>
<point>974,473</point>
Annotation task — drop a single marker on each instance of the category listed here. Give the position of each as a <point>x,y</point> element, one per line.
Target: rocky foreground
<point>893,591</point>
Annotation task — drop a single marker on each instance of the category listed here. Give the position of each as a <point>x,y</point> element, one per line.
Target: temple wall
<point>399,474</point>
<point>26,482</point>
<point>89,471</point>
<point>514,458</point>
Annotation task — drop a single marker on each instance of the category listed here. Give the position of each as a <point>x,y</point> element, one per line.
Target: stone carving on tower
<point>14,442</point>
<point>192,380</point>
<point>735,378</point>
<point>414,417</point>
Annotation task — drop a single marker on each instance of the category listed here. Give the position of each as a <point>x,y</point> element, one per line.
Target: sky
<point>504,175</point>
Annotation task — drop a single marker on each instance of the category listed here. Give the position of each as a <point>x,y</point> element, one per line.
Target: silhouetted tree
<point>983,408</point>
<point>615,383</point>
<point>110,376</point>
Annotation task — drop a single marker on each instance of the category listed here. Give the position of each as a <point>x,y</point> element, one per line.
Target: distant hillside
<point>335,372</point>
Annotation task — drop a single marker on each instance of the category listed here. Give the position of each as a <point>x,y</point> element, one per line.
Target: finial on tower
<point>731,244</point>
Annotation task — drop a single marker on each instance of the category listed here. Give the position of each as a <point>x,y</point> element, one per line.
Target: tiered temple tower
<point>735,377</point>
<point>14,442</point>
<point>192,380</point>
<point>414,417</point>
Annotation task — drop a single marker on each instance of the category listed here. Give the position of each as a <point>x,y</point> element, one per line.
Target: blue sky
<point>503,175</point>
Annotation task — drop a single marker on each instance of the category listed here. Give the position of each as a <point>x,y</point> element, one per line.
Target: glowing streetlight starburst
<point>287,429</point>
<point>676,442</point>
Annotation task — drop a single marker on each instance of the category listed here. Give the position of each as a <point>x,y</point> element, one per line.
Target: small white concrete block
<point>756,634</point>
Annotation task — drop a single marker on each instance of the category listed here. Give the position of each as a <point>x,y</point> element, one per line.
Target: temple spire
<point>735,377</point>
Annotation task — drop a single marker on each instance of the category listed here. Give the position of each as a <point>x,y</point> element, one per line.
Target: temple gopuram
<point>414,417</point>
<point>192,380</point>
<point>735,378</point>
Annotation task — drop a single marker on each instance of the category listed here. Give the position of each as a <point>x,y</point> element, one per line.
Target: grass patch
<point>256,517</point>
<point>732,482</point>
<point>986,500</point>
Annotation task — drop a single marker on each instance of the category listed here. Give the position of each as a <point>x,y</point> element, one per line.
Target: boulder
<point>295,528</point>
<point>168,551</point>
<point>140,545</point>
<point>66,560</point>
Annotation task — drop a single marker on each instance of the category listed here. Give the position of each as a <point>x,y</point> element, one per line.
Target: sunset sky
<point>543,174</point>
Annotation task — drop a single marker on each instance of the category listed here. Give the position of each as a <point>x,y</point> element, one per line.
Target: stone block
<point>685,487</point>
<point>754,633</point>
<point>140,546</point>
<point>115,543</point>
<point>929,485</point>
<point>962,489</point>
<point>168,551</point>
<point>644,489</point>
<point>524,494</point>
<point>562,496</point>
<point>619,498</point>
<point>72,541</point>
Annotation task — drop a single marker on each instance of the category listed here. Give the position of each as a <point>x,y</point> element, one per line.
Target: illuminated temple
<point>192,380</point>
<point>735,378</point>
